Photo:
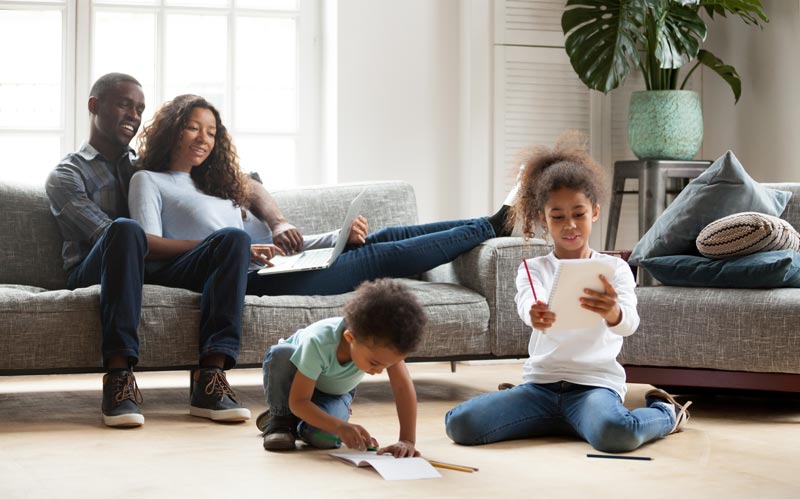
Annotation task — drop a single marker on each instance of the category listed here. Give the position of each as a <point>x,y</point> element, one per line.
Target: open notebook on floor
<point>317,258</point>
<point>390,467</point>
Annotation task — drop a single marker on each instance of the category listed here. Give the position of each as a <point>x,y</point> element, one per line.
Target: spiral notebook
<point>572,277</point>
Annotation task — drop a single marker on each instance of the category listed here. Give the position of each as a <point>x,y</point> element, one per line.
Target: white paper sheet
<point>389,467</point>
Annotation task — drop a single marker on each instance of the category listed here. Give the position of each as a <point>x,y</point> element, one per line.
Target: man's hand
<point>263,253</point>
<point>287,237</point>
<point>358,231</point>
<point>403,448</point>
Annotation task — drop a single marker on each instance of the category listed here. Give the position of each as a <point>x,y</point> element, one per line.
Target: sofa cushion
<point>745,233</point>
<point>62,328</point>
<point>722,190</point>
<point>769,269</point>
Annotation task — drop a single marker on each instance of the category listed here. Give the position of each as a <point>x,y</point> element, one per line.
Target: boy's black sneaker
<point>121,399</point>
<point>213,398</point>
<point>280,432</point>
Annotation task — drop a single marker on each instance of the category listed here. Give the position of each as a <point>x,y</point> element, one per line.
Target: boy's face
<point>371,358</point>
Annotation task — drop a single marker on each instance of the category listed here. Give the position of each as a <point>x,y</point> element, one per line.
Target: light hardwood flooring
<point>53,444</point>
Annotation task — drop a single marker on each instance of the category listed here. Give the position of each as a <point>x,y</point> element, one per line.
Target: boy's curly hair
<point>219,174</point>
<point>566,165</point>
<point>386,313</point>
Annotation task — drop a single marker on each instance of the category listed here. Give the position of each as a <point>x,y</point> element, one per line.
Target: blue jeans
<point>279,373</point>
<point>400,251</point>
<point>530,410</point>
<point>216,268</point>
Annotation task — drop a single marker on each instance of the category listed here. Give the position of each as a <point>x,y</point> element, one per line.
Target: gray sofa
<point>45,328</point>
<point>688,336</point>
<point>712,337</point>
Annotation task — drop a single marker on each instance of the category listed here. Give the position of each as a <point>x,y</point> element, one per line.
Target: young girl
<point>573,383</point>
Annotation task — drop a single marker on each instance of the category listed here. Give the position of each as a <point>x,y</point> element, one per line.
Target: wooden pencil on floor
<point>456,467</point>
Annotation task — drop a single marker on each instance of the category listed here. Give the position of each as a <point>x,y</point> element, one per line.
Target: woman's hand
<point>358,231</point>
<point>287,238</point>
<point>402,448</point>
<point>263,253</point>
<point>355,436</point>
<point>541,316</point>
<point>603,303</point>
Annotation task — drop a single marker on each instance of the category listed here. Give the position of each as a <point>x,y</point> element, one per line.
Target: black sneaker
<point>213,398</point>
<point>121,399</point>
<point>280,432</point>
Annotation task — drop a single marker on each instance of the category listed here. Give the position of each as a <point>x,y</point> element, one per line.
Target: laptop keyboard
<point>313,258</point>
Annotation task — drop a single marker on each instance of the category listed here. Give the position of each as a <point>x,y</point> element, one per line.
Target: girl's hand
<point>355,436</point>
<point>402,448</point>
<point>603,303</point>
<point>263,253</point>
<point>358,231</point>
<point>541,316</point>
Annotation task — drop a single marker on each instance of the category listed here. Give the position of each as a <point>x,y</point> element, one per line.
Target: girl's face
<point>569,215</point>
<point>196,141</point>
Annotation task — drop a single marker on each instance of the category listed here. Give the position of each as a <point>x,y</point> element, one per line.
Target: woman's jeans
<point>279,373</point>
<point>529,410</point>
<point>401,251</point>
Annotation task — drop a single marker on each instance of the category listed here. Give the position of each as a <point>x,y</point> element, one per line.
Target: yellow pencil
<point>448,466</point>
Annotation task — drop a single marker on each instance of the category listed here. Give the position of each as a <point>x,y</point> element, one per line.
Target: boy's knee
<point>278,354</point>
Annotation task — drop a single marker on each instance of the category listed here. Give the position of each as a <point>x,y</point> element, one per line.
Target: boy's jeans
<point>532,410</point>
<point>278,376</point>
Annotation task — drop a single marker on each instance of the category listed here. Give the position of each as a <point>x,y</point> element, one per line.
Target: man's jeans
<point>401,251</point>
<point>217,268</point>
<point>533,410</point>
<point>279,373</point>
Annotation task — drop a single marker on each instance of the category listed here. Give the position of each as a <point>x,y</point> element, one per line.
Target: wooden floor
<point>53,444</point>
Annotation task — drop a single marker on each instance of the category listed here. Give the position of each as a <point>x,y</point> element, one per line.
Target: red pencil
<point>530,279</point>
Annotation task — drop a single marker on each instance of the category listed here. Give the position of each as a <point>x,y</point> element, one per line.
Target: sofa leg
<point>452,366</point>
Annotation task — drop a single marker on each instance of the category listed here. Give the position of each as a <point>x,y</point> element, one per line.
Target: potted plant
<point>606,39</point>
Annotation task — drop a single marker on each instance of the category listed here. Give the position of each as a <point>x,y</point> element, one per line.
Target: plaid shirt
<point>87,192</point>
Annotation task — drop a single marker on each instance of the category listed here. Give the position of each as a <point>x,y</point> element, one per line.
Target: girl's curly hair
<point>219,174</point>
<point>566,165</point>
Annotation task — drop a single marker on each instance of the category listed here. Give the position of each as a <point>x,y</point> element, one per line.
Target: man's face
<point>117,115</point>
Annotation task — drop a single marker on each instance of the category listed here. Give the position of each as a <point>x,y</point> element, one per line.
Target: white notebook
<point>390,467</point>
<point>572,277</point>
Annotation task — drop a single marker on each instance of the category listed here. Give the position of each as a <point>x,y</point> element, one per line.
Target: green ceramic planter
<point>665,124</point>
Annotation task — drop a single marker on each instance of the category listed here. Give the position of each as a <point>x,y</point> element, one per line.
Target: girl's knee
<point>461,427</point>
<point>126,232</point>
<point>615,437</point>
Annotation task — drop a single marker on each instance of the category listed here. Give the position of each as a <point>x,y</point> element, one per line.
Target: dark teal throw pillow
<point>769,269</point>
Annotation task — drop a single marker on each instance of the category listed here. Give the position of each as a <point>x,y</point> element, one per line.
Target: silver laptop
<point>317,258</point>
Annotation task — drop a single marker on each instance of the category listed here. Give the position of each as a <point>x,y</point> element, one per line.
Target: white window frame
<point>77,71</point>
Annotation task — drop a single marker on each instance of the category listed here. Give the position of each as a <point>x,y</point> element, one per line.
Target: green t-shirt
<point>315,357</point>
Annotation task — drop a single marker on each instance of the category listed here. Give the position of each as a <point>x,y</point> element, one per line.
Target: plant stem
<point>685,80</point>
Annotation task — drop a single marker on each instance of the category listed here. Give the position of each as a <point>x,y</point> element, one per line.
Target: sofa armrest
<point>491,270</point>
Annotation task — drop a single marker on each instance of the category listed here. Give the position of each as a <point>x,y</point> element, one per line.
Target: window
<point>255,60</point>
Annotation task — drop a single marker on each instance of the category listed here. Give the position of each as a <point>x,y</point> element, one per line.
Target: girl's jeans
<point>278,376</point>
<point>529,410</point>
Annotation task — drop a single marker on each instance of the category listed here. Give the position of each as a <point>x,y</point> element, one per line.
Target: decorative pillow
<point>722,190</point>
<point>769,269</point>
<point>745,233</point>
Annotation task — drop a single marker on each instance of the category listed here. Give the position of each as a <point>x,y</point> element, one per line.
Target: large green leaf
<point>750,11</point>
<point>679,35</point>
<point>728,73</point>
<point>603,39</point>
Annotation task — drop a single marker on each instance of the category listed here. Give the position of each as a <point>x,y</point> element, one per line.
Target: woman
<point>191,185</point>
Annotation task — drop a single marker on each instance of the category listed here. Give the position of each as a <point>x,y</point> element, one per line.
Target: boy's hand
<point>603,303</point>
<point>403,448</point>
<point>541,316</point>
<point>354,436</point>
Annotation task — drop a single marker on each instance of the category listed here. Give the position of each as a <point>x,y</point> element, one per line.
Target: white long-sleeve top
<point>581,356</point>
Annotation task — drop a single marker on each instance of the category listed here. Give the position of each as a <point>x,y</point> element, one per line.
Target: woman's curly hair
<point>219,174</point>
<point>566,165</point>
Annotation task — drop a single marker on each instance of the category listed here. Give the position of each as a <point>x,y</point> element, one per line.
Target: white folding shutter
<point>529,22</point>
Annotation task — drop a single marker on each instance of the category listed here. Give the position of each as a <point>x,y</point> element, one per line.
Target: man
<point>88,197</point>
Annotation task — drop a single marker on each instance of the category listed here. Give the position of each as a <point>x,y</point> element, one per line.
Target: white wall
<point>399,92</point>
<point>763,129</point>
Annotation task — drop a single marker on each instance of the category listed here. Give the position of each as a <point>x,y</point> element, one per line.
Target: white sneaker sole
<point>124,420</point>
<point>229,415</point>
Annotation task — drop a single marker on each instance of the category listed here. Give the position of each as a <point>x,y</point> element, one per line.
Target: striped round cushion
<point>746,233</point>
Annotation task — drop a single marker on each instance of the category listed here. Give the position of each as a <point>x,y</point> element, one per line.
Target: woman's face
<point>196,141</point>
